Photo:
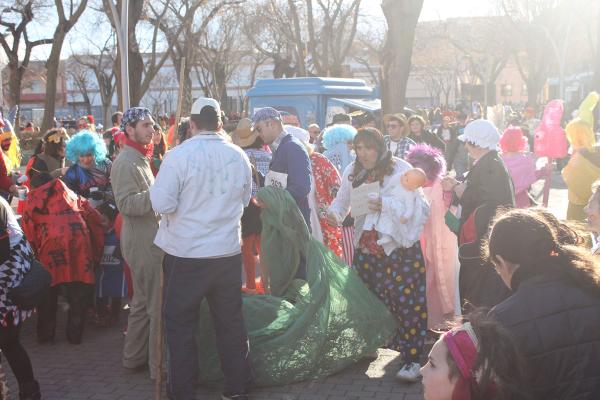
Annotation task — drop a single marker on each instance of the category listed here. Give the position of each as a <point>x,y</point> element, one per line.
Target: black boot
<point>30,391</point>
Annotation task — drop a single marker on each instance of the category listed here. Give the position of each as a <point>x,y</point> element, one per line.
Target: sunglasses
<point>393,126</point>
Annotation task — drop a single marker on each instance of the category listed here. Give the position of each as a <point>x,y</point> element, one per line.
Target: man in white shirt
<point>201,191</point>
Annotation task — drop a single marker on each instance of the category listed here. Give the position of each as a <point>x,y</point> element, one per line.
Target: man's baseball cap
<point>202,102</point>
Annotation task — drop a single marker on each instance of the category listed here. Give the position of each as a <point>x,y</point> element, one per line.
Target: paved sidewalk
<point>93,371</point>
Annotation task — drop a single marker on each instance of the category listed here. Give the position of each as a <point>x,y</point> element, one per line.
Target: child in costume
<point>111,283</point>
<point>519,163</point>
<point>66,235</point>
<point>474,361</point>
<point>10,159</point>
<point>583,168</point>
<point>405,222</point>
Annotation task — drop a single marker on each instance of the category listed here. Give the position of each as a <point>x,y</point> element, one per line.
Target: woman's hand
<point>375,204</point>
<point>448,183</point>
<point>332,219</point>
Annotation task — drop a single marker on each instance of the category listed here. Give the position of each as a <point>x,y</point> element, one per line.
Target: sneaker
<point>410,372</point>
<point>235,396</point>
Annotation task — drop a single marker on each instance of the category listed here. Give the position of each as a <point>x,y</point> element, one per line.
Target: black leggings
<point>15,353</point>
<point>79,296</point>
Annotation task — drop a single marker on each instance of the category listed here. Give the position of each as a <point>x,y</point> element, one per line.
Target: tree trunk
<point>402,18</point>
<point>14,90</point>
<point>534,87</point>
<point>52,65</point>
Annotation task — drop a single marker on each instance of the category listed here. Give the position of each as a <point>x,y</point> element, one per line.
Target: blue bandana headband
<point>133,115</point>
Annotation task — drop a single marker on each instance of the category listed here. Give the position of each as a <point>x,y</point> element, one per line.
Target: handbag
<point>32,288</point>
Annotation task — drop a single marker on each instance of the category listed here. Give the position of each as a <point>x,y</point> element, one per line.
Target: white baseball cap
<point>482,133</point>
<point>202,102</point>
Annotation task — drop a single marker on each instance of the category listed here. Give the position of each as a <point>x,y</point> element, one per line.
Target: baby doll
<point>401,224</point>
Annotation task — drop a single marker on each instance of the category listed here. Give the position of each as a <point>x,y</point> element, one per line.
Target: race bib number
<point>276,179</point>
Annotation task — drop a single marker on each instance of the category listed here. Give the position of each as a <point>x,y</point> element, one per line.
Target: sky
<point>440,9</point>
<point>432,10</point>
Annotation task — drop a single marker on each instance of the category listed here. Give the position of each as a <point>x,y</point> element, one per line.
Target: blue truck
<point>314,100</point>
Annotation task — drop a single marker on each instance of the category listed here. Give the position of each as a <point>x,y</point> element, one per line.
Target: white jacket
<point>201,190</point>
<point>390,205</point>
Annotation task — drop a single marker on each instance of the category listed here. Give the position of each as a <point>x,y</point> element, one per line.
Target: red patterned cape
<point>327,184</point>
<point>64,231</point>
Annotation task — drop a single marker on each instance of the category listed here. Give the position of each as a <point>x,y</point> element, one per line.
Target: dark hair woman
<point>398,278</point>
<point>419,134</point>
<point>476,360</point>
<point>554,312</point>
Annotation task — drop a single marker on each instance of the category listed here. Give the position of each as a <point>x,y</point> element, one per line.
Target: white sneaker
<point>410,372</point>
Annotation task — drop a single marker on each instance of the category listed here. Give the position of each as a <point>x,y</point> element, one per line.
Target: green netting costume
<point>305,329</point>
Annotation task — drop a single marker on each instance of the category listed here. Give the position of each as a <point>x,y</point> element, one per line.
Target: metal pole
<point>122,42</point>
<point>125,53</point>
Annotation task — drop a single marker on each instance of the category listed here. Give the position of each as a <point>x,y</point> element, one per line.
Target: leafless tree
<point>100,61</point>
<point>535,21</point>
<point>183,26</point>
<point>66,21</point>
<point>402,17</point>
<point>81,78</point>
<point>305,37</point>
<point>14,37</point>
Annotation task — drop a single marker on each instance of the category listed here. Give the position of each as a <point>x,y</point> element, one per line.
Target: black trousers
<point>79,296</point>
<point>188,281</point>
<point>15,353</point>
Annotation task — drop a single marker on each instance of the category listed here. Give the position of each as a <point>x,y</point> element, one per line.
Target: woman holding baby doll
<point>395,274</point>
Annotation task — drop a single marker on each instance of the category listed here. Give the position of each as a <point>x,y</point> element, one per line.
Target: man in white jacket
<point>201,191</point>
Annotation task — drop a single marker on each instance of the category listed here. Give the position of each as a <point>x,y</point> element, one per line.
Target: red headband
<point>462,345</point>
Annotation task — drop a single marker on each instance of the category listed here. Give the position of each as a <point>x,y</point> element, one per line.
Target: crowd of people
<point>273,254</point>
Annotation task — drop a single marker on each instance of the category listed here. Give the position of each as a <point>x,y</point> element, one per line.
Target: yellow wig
<point>13,155</point>
<point>580,134</point>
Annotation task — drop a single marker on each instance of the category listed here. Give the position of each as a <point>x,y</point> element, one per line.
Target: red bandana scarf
<point>146,150</point>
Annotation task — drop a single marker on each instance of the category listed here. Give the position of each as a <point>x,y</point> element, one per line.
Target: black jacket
<point>430,139</point>
<point>557,328</point>
<point>488,183</point>
<point>451,145</point>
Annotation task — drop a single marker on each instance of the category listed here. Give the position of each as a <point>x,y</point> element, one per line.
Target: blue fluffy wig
<point>337,134</point>
<point>86,142</point>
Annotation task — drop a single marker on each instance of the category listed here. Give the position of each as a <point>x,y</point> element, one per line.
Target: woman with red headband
<point>477,360</point>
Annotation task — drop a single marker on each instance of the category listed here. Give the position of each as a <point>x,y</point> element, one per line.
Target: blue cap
<point>265,114</point>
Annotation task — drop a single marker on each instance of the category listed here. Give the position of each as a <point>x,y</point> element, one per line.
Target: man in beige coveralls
<point>131,178</point>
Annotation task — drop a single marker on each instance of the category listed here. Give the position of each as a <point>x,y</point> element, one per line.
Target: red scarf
<point>146,150</point>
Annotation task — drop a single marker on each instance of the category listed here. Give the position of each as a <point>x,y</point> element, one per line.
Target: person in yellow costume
<point>10,158</point>
<point>583,167</point>
<point>586,108</point>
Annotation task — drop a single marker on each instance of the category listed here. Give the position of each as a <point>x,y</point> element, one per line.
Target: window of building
<point>506,90</point>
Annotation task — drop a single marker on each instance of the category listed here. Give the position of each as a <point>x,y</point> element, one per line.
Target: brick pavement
<point>92,371</point>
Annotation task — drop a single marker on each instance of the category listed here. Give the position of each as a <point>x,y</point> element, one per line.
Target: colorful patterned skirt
<point>398,280</point>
